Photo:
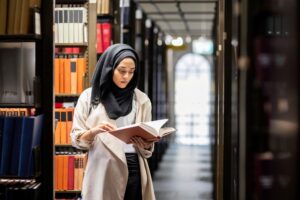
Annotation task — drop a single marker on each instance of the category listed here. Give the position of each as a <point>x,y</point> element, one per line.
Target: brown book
<point>17,18</point>
<point>11,16</point>
<point>58,127</point>
<point>151,131</point>
<point>56,75</point>
<point>80,170</point>
<point>3,16</point>
<point>74,71</point>
<point>61,75</point>
<point>63,128</point>
<point>59,170</point>
<point>23,112</point>
<point>65,172</point>
<point>67,76</point>
<point>81,63</point>
<point>56,172</point>
<point>69,123</point>
<point>76,172</point>
<point>25,17</point>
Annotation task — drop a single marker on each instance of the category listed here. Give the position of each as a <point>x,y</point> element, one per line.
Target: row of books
<point>20,23</point>
<point>70,25</point>
<point>69,170</point>
<point>103,7</point>
<point>104,36</point>
<point>64,119</point>
<point>272,25</point>
<point>69,75</point>
<point>9,112</point>
<point>68,50</point>
<point>12,189</point>
<point>20,139</point>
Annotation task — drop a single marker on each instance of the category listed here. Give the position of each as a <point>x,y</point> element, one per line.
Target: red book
<point>58,104</point>
<point>106,35</point>
<point>68,50</point>
<point>71,173</point>
<point>99,39</point>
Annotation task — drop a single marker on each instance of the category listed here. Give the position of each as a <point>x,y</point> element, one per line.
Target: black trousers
<point>133,188</point>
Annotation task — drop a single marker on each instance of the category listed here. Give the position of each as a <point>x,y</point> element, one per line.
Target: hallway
<point>184,174</point>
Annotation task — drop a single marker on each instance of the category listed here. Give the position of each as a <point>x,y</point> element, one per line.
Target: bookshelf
<point>36,56</point>
<point>269,101</point>
<point>74,50</point>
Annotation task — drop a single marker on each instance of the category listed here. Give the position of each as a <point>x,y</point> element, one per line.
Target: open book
<point>151,131</point>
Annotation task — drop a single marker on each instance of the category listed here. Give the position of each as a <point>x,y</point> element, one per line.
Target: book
<point>151,131</point>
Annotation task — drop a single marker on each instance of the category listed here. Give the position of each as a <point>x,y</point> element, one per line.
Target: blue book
<point>31,137</point>
<point>25,146</point>
<point>7,141</point>
<point>16,146</point>
<point>1,134</point>
<point>36,143</point>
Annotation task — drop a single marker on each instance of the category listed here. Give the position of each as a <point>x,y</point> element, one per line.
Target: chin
<point>122,86</point>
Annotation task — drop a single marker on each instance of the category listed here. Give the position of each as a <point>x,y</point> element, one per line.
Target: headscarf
<point>117,101</point>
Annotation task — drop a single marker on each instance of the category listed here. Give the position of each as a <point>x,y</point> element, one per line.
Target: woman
<point>114,170</point>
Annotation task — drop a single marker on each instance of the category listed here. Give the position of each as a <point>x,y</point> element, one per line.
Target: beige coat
<point>106,173</point>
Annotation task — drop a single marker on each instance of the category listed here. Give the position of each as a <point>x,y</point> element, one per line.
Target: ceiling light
<point>177,42</point>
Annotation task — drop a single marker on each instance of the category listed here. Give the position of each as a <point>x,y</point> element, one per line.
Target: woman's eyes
<point>124,71</point>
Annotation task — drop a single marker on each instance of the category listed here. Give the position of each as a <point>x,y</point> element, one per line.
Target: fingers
<point>105,126</point>
<point>141,142</point>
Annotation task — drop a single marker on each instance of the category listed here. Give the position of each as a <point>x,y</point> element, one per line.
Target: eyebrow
<point>123,67</point>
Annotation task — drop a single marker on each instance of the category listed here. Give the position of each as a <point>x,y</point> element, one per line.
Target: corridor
<point>184,174</point>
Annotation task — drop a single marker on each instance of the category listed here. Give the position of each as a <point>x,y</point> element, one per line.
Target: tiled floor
<point>184,174</point>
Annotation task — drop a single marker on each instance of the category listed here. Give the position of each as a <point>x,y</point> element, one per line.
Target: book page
<point>147,130</point>
<point>154,126</point>
<point>166,131</point>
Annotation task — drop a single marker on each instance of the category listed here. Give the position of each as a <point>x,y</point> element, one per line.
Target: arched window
<point>192,99</point>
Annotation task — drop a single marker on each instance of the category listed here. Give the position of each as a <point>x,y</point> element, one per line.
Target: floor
<point>184,174</point>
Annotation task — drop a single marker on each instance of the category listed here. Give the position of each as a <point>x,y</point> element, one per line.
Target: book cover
<point>7,141</point>
<point>81,69</point>
<point>150,131</point>
<point>16,145</point>
<point>31,137</point>
<point>71,172</point>
<point>3,16</point>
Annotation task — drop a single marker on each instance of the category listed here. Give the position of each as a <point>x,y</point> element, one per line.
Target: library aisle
<point>184,174</point>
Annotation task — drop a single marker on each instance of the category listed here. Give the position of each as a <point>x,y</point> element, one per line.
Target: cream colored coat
<point>106,173</point>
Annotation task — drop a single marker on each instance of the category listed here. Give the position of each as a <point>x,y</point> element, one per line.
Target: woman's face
<point>124,72</point>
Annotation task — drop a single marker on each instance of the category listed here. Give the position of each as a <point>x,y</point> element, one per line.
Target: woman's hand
<point>141,143</point>
<point>102,127</point>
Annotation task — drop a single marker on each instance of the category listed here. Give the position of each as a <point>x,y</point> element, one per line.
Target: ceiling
<point>183,18</point>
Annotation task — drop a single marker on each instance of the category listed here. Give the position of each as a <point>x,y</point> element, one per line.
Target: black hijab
<point>117,101</point>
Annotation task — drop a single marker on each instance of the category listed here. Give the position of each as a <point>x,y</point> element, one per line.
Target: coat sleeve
<point>147,116</point>
<point>79,122</point>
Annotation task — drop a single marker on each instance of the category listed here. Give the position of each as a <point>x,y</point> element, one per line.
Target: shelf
<point>20,38</point>
<point>71,1</point>
<point>16,105</point>
<point>68,191</point>
<point>68,148</point>
<point>67,95</point>
<point>4,178</point>
<point>105,16</point>
<point>64,145</point>
<point>71,44</point>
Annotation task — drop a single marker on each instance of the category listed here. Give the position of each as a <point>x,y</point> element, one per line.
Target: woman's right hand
<point>102,127</point>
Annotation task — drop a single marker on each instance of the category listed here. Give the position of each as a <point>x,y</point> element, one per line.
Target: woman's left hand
<point>141,143</point>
